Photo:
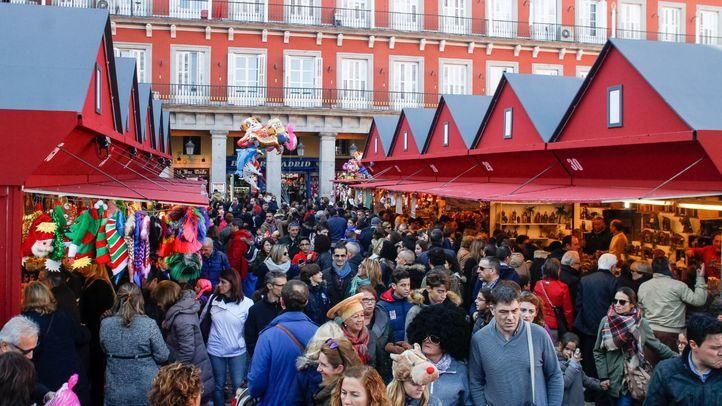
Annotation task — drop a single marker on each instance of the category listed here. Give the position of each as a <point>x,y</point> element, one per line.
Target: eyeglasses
<point>368,300</point>
<point>620,302</point>
<point>279,285</point>
<point>23,351</point>
<point>339,256</point>
<point>432,339</point>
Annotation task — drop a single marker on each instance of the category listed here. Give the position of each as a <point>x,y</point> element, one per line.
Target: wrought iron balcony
<point>292,97</point>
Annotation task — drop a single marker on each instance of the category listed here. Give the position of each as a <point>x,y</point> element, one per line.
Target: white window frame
<point>445,140</point>
<point>453,24</point>
<point>469,73</point>
<point>681,8</point>
<point>404,20</point>
<point>311,97</point>
<point>586,32</point>
<point>497,64</point>
<point>643,17</point>
<point>348,16</point>
<point>401,100</point>
<point>508,122</point>
<point>503,28</point>
<point>545,30</point>
<point>350,99</point>
<point>187,93</point>
<point>712,9</point>
<point>536,67</point>
<point>376,145</point>
<point>147,64</point>
<point>248,97</point>
<point>313,8</point>
<point>615,107</point>
<point>583,71</point>
<point>134,8</point>
<point>406,140</point>
<point>98,89</point>
<point>242,11</point>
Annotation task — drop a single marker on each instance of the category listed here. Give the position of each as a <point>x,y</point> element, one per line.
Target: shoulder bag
<point>636,377</point>
<point>562,327</point>
<point>532,368</point>
<point>206,319</point>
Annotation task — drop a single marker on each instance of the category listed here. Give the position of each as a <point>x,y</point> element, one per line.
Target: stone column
<point>327,164</point>
<point>273,174</point>
<point>218,160</point>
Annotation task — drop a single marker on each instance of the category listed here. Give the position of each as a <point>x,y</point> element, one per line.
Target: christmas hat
<point>117,247</point>
<point>42,228</point>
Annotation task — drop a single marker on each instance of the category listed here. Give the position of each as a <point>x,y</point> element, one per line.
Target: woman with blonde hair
<point>360,386</point>
<point>134,348</point>
<point>55,357</point>
<point>369,273</point>
<point>413,373</point>
<point>277,260</point>
<point>335,356</point>
<point>176,384</point>
<point>96,297</point>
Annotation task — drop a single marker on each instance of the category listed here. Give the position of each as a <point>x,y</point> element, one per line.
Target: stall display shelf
<point>530,224</point>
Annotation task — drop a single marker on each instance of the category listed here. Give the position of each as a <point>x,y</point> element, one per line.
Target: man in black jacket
<point>695,377</point>
<point>266,308</point>
<point>595,295</point>
<point>569,272</point>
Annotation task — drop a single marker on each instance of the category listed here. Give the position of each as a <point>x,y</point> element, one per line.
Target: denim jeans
<point>236,366</point>
<point>624,400</point>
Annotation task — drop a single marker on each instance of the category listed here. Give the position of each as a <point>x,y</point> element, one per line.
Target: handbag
<point>206,319</point>
<point>562,327</point>
<point>636,378</point>
<point>244,398</point>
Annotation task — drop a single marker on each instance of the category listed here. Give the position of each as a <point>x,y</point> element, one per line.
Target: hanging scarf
<point>443,364</point>
<point>343,272</point>
<point>359,343</point>
<point>272,266</point>
<point>621,332</point>
<point>355,283</point>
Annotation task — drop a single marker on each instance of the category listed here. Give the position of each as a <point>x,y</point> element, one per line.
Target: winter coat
<point>318,303</point>
<point>128,379</point>
<point>306,383</point>
<point>212,267</point>
<point>236,252</point>
<point>184,339</point>
<point>259,316</point>
<point>663,300</point>
<point>674,383</point>
<point>610,364</point>
<point>55,357</point>
<point>380,331</point>
<point>273,367</point>
<point>396,309</point>
<point>288,268</point>
<point>571,277</point>
<point>336,228</point>
<point>335,285</point>
<point>457,281</point>
<point>452,387</point>
<point>575,381</point>
<point>595,295</point>
<point>558,294</point>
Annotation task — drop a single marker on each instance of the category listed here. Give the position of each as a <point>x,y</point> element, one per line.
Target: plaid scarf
<point>621,332</point>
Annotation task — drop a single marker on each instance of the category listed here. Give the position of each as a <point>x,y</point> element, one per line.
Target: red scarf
<point>621,331</point>
<point>360,343</point>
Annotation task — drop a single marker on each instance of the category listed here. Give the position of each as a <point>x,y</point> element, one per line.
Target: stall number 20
<point>487,166</point>
<point>575,164</point>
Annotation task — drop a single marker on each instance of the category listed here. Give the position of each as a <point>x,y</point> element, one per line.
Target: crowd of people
<point>316,303</point>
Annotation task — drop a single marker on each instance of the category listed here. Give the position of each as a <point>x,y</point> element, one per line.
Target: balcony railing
<point>293,97</point>
<point>279,12</point>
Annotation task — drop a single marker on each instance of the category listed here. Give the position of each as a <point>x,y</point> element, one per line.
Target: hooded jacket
<point>183,337</point>
<point>674,383</point>
<point>397,310</point>
<point>416,273</point>
<point>420,299</point>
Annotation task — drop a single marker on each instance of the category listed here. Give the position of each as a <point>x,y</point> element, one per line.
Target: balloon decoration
<point>257,140</point>
<point>353,169</point>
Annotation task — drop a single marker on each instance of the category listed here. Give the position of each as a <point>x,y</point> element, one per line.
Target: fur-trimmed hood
<point>413,267</point>
<point>421,298</point>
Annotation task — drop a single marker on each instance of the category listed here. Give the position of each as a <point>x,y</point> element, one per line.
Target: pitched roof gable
<point>468,112</point>
<point>385,127</point>
<point>143,101</point>
<point>157,112</point>
<point>687,76</point>
<point>48,55</point>
<point>545,98</point>
<point>125,68</point>
<point>419,123</point>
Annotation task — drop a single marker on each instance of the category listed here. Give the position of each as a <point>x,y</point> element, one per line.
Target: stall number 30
<point>575,164</point>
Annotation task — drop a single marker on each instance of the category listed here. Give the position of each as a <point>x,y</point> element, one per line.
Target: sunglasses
<point>432,339</point>
<point>621,302</point>
<point>22,351</point>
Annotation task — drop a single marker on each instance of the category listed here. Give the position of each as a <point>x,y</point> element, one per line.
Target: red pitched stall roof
<point>381,133</point>
<point>456,122</point>
<point>410,134</point>
<point>534,103</point>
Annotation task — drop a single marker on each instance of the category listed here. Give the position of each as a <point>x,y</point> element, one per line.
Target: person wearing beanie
<point>596,291</point>
<point>413,373</point>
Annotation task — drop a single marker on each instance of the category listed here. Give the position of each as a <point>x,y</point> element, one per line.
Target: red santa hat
<point>43,228</point>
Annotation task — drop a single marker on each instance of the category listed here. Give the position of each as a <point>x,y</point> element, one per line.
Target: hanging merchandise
<point>184,267</point>
<point>82,236</point>
<point>117,247</point>
<point>257,138</point>
<point>39,244</point>
<point>141,248</point>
